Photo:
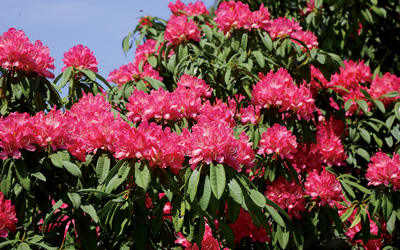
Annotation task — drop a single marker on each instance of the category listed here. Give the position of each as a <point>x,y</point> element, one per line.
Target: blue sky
<point>99,25</point>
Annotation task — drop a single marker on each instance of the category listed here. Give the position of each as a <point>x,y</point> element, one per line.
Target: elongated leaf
<point>142,175</point>
<point>259,58</point>
<point>205,194</point>
<point>194,183</point>
<point>103,168</point>
<point>6,178</point>
<point>235,191</point>
<point>258,198</point>
<point>275,215</point>
<point>218,180</point>
<point>207,32</point>
<point>56,160</point>
<point>23,246</point>
<point>75,199</point>
<point>22,174</point>
<point>72,169</point>
<point>89,209</point>
<point>156,84</point>
<point>119,178</point>
<point>66,75</point>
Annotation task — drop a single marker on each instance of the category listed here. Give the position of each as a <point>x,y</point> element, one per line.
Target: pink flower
<point>329,143</point>
<point>244,227</point>
<point>232,15</point>
<point>16,51</point>
<point>318,81</point>
<point>80,57</point>
<point>8,217</point>
<point>271,89</point>
<point>288,195</point>
<point>145,21</point>
<point>384,85</point>
<point>323,188</point>
<point>384,170</point>
<point>260,19</point>
<point>145,50</point>
<point>180,29</point>
<point>195,84</point>
<point>208,242</point>
<point>16,133</point>
<point>310,8</point>
<point>354,95</point>
<point>307,158</point>
<point>351,76</point>
<point>309,38</point>
<point>131,72</point>
<point>282,26</point>
<point>278,140</point>
<point>198,8</point>
<point>299,100</point>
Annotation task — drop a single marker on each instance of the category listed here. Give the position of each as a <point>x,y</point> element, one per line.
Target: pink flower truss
<point>281,27</point>
<point>250,114</point>
<point>213,141</point>
<point>145,50</point>
<point>180,29</point>
<point>80,57</point>
<point>307,158</point>
<point>323,188</point>
<point>195,84</point>
<point>351,76</point>
<point>271,89</point>
<point>8,217</point>
<point>384,85</point>
<point>244,227</point>
<point>299,100</point>
<point>289,196</point>
<point>208,242</point>
<point>384,170</point>
<point>131,72</point>
<point>16,51</point>
<point>16,133</point>
<point>329,144</point>
<point>198,8</point>
<point>278,140</point>
<point>260,19</point>
<point>317,82</point>
<point>232,15</point>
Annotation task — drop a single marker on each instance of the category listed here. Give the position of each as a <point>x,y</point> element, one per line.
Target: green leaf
<point>235,191</point>
<point>178,213</point>
<point>365,135</point>
<point>244,41</point>
<point>318,3</point>
<point>142,175</point>
<point>348,189</point>
<point>75,199</point>
<point>194,183</point>
<point>205,194</point>
<point>156,84</point>
<point>356,185</point>
<point>347,105</point>
<point>66,75</point>
<point>347,214</point>
<point>267,40</point>
<point>387,205</point>
<point>50,213</point>
<point>89,209</point>
<point>86,235</point>
<point>258,198</point>
<point>7,177</point>
<point>119,178</point>
<point>380,106</point>
<point>390,225</point>
<point>39,176</point>
<point>363,153</point>
<point>72,169</point>
<point>259,58</point>
<point>283,236</point>
<point>56,160</point>
<point>275,215</point>
<point>218,180</point>
<point>207,32</point>
<point>23,246</point>
<point>22,174</point>
<point>363,105</point>
<point>90,74</point>
<point>103,168</point>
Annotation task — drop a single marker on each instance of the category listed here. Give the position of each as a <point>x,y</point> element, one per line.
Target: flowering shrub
<point>238,129</point>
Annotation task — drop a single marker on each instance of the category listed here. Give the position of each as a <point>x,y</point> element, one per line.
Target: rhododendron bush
<point>232,128</point>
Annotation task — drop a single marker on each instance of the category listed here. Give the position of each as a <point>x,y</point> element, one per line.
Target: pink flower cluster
<point>288,195</point>
<point>278,140</point>
<point>244,227</point>
<point>180,29</point>
<point>323,188</point>
<point>185,101</point>
<point>17,52</point>
<point>236,15</point>
<point>350,77</point>
<point>131,72</point>
<point>80,57</point>
<point>329,143</point>
<point>198,8</point>
<point>145,50</point>
<point>278,90</point>
<point>208,242</point>
<point>384,170</point>
<point>8,217</point>
<point>384,85</point>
